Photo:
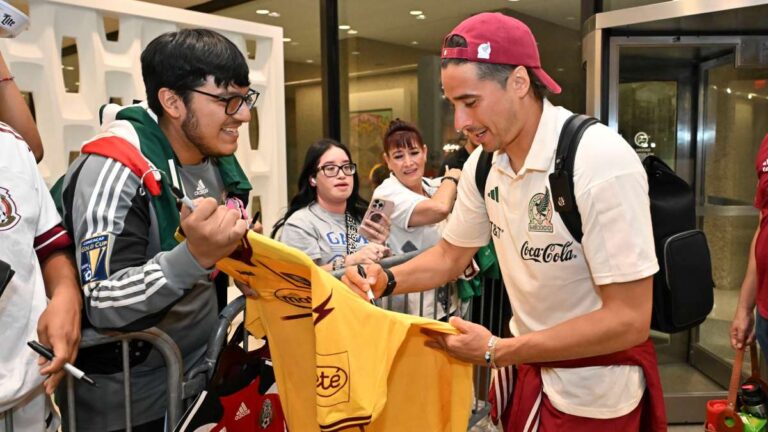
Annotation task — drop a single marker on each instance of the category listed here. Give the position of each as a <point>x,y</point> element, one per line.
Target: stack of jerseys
<point>341,362</point>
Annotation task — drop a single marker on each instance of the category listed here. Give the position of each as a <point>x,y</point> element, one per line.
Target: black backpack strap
<point>561,180</point>
<point>482,170</point>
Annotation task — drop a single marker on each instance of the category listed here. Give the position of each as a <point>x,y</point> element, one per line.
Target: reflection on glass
<point>253,129</point>
<point>735,120</point>
<point>729,238</point>
<point>70,65</point>
<point>111,28</point>
<point>648,118</point>
<point>737,116</point>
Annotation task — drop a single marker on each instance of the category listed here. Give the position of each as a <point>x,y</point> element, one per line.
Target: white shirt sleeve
<point>49,217</point>
<point>612,194</point>
<point>468,225</point>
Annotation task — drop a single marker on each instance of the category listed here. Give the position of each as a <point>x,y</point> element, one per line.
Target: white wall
<point>112,69</point>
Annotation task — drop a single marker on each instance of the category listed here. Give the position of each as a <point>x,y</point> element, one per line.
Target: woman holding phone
<point>327,212</point>
<point>419,205</point>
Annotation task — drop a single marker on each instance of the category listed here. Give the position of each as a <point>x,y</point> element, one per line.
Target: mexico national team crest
<point>265,417</point>
<point>9,216</point>
<point>540,213</point>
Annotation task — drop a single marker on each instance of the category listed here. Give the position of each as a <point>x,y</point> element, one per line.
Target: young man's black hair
<point>184,59</point>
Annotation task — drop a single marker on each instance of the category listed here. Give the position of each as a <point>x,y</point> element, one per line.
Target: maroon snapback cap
<point>498,39</point>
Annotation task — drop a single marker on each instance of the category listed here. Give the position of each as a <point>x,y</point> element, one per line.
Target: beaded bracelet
<point>8,78</point>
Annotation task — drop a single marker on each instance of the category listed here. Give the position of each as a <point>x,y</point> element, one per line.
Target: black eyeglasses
<point>234,102</point>
<point>333,170</point>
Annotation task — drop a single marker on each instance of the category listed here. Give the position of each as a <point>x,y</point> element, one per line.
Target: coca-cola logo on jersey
<point>551,253</point>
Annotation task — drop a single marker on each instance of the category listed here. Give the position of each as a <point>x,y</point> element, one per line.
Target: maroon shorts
<point>553,420</point>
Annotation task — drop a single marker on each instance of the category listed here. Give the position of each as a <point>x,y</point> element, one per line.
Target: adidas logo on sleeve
<point>242,412</point>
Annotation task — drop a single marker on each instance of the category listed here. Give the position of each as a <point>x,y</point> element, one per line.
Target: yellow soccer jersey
<point>341,362</point>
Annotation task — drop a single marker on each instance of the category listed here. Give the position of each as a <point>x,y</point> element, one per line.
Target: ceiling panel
<point>386,21</point>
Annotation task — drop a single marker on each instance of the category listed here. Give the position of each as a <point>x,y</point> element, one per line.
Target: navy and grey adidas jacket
<point>129,283</point>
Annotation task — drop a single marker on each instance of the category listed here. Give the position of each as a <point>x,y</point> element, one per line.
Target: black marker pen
<point>48,354</point>
<point>183,198</point>
<point>361,272</point>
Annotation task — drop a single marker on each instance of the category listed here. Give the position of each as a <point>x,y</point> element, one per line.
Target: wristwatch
<point>391,283</point>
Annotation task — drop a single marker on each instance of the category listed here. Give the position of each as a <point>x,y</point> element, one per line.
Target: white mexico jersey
<point>550,277</point>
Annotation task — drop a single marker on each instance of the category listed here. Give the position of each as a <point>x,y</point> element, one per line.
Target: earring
<point>312,183</point>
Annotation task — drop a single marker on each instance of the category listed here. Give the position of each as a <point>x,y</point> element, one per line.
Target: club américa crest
<point>9,216</point>
<point>540,213</point>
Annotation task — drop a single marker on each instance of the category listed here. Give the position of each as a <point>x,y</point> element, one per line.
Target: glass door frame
<point>688,161</point>
<point>700,357</point>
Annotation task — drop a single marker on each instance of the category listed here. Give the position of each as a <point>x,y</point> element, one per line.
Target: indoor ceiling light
<point>351,31</point>
<point>414,42</point>
<point>294,43</point>
<point>310,61</point>
<point>355,53</point>
<point>416,12</point>
<point>344,27</point>
<point>728,90</point>
<point>421,17</point>
<point>286,39</point>
<point>262,11</point>
<point>274,14</point>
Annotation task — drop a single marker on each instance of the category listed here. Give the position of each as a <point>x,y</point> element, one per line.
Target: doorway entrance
<point>697,103</point>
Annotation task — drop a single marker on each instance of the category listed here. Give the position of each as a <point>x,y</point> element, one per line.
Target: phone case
<point>374,212</point>
<point>377,208</point>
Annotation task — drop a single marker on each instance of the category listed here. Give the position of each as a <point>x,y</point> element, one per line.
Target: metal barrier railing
<point>178,387</point>
<point>165,346</point>
<point>199,376</point>
<point>8,420</point>
<point>488,310</point>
